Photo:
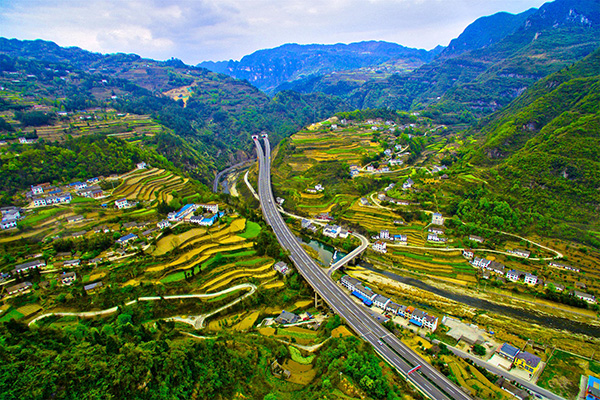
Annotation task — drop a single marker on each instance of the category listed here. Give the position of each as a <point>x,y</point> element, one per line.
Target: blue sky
<point>198,30</point>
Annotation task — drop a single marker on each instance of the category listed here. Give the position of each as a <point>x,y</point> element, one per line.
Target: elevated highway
<point>427,379</point>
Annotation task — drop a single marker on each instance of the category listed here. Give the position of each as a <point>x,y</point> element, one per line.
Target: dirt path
<point>90,314</point>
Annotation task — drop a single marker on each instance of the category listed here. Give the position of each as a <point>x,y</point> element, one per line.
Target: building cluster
<point>369,297</point>
<point>45,194</point>
<point>308,224</point>
<point>519,358</point>
<point>186,213</point>
<point>333,231</point>
<point>563,266</point>
<point>317,189</point>
<point>384,235</point>
<point>9,217</point>
<point>385,198</point>
<point>515,275</point>
<point>436,235</point>
<point>65,278</point>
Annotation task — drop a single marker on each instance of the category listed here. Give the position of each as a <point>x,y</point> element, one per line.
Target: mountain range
<point>495,59</point>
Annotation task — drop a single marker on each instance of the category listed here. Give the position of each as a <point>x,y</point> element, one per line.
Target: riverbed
<point>517,313</point>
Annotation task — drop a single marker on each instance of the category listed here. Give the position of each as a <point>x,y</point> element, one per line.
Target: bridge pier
<point>318,301</point>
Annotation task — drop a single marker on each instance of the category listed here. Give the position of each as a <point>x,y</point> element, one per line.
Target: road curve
<point>427,380</point>
<point>226,171</point>
<point>90,314</point>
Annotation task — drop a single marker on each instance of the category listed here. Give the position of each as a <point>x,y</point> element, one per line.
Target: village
<point>125,241</point>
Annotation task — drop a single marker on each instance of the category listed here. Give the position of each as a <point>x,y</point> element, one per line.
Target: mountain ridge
<point>268,68</point>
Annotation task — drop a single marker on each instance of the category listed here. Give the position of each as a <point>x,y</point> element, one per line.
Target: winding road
<point>427,379</point>
<point>197,322</point>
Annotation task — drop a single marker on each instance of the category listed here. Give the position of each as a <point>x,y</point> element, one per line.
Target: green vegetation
<point>252,230</point>
<point>298,357</point>
<point>562,373</point>
<point>80,158</point>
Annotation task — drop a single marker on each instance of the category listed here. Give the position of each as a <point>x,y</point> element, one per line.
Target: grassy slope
<point>543,148</point>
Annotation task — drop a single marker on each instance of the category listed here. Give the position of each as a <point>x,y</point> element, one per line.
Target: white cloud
<point>196,30</point>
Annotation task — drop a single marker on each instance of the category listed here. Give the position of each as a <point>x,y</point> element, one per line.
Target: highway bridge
<point>426,379</point>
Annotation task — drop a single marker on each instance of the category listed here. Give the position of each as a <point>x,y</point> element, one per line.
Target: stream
<point>325,251</point>
<point>517,313</point>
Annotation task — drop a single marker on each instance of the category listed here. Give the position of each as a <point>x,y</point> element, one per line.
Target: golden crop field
<point>153,183</point>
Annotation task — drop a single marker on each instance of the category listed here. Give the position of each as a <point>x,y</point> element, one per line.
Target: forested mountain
<point>485,31</point>
<point>543,150</point>
<point>213,113</point>
<point>269,68</point>
<point>484,80</point>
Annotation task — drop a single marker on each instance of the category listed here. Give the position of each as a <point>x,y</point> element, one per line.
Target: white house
<point>349,282</point>
<point>319,187</point>
<point>282,267</point>
<point>430,322</point>
<point>584,296</point>
<point>467,253</point>
<point>39,202</point>
<point>37,189</point>
<point>477,239</point>
<point>7,223</point>
<point>72,263</point>
<point>163,224</point>
<point>514,275</point>
<point>381,301</point>
<point>332,231</point>
<point>480,262</point>
<point>121,203</point>
<point>408,184</point>
<point>433,237</point>
<point>141,165</point>
<point>437,219</point>
<point>531,279</point>
<point>67,278</point>
<point>401,239</point>
<point>214,208</point>
<point>520,253</point>
<point>380,247</point>
<point>436,230</point>
<point>384,234</point>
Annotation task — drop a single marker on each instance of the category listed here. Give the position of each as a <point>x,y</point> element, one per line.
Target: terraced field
<point>348,145</point>
<point>373,218</point>
<point>151,184</point>
<point>447,264</point>
<point>125,127</point>
<point>224,254</point>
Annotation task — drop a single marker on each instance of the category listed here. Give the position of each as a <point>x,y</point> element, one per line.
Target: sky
<point>201,30</point>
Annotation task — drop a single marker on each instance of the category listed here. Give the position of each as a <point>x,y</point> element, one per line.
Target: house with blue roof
<point>127,238</point>
<point>592,390</point>
<point>508,351</point>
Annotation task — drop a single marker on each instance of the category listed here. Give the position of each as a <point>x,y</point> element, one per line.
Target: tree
<point>479,350</point>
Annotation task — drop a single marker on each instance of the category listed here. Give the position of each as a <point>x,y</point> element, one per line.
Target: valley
<point>313,221</point>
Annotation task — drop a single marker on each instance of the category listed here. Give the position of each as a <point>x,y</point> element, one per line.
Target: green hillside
<point>213,113</point>
<point>543,149</point>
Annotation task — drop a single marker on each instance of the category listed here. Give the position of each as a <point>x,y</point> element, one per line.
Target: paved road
<point>427,380</point>
<point>90,314</point>
<point>502,372</point>
<point>226,171</point>
<point>364,243</point>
